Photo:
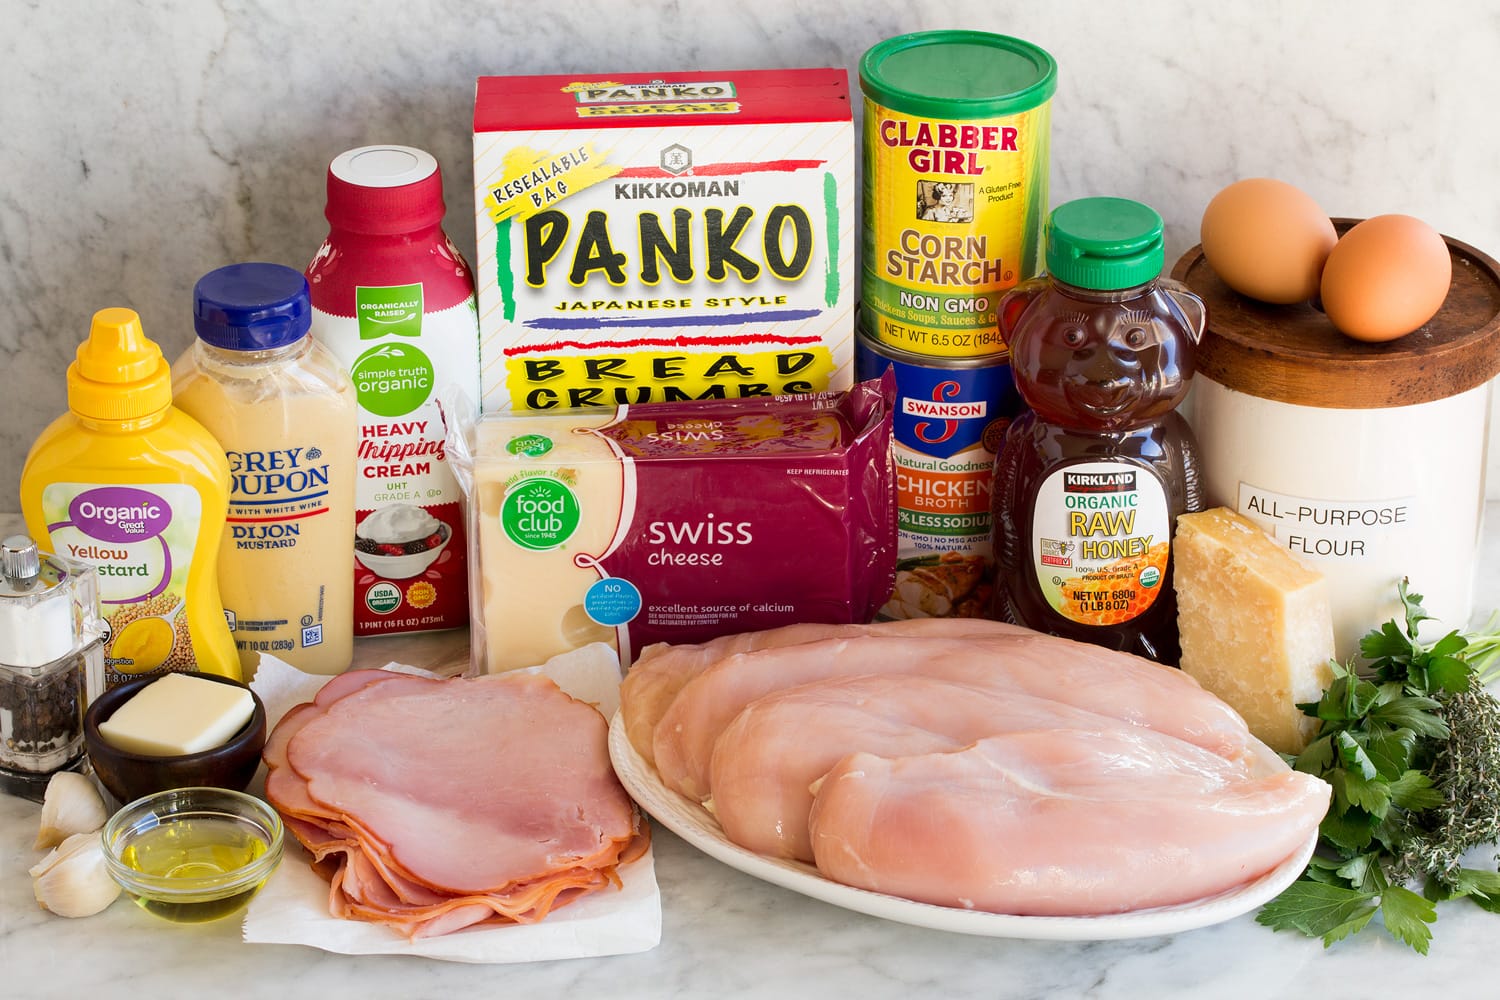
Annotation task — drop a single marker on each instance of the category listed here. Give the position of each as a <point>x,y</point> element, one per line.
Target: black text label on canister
<point>949,419</point>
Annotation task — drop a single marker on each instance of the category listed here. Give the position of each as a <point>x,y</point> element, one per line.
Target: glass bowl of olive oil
<point>193,854</point>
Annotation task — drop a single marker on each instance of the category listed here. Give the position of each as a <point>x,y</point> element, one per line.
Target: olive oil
<point>197,853</point>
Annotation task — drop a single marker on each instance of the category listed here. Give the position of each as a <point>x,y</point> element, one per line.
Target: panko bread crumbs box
<point>663,237</point>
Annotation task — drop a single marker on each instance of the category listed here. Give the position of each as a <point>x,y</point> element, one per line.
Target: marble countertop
<point>724,934</point>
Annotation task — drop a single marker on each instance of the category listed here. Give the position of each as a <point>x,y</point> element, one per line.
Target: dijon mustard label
<point>953,217</point>
<point>1102,533</point>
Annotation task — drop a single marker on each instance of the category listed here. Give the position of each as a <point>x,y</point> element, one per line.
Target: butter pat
<point>1255,623</point>
<point>178,714</point>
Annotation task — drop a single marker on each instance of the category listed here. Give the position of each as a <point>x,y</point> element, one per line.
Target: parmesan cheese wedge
<point>1255,623</point>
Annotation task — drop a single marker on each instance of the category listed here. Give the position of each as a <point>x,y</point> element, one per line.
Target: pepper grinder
<point>51,663</point>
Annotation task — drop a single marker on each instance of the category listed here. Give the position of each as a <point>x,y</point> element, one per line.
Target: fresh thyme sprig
<point>1412,750</point>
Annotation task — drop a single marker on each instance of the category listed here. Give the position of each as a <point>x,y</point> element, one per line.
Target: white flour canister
<point>1365,460</point>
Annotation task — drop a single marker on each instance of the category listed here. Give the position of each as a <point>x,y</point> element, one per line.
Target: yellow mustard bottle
<point>129,483</point>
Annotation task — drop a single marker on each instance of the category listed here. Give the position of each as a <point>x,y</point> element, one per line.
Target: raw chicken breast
<point>767,758</point>
<point>1085,676</point>
<point>1056,823</point>
<point>664,669</point>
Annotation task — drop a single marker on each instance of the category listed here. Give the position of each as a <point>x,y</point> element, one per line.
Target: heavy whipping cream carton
<point>663,237</point>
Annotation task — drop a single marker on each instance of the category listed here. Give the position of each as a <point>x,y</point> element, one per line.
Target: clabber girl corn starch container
<point>956,137</point>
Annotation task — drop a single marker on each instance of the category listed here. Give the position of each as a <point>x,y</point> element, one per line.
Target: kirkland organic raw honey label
<point>1103,534</point>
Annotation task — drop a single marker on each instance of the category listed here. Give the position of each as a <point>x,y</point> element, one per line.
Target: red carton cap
<point>384,190</point>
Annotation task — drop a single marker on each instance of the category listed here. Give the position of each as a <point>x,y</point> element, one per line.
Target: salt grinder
<point>51,663</point>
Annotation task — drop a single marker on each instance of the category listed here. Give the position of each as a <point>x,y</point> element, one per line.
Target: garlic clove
<point>71,805</point>
<point>73,881</point>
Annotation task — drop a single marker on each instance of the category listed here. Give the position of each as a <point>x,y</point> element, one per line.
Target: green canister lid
<point>1105,243</point>
<point>957,74</point>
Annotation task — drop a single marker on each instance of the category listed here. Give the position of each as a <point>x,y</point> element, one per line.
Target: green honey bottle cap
<point>1105,244</point>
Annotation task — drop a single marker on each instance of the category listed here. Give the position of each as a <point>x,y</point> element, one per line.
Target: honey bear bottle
<point>1089,483</point>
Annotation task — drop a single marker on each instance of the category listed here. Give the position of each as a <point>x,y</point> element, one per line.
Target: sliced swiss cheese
<point>1255,624</point>
<point>533,598</point>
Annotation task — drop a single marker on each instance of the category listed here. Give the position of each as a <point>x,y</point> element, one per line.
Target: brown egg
<point>1267,240</point>
<point>1386,277</point>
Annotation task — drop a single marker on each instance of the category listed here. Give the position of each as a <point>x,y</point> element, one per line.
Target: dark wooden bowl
<point>129,776</point>
<point>1293,353</point>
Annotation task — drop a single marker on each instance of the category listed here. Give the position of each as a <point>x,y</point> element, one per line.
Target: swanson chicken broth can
<point>957,129</point>
<point>949,418</point>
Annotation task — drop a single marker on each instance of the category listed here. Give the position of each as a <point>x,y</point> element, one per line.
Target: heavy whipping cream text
<point>401,449</point>
<point>398,310</point>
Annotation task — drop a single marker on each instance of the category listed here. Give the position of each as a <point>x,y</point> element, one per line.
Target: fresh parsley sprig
<point>1412,751</point>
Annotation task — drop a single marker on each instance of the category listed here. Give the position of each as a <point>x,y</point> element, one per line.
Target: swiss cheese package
<point>678,522</point>
<point>663,237</point>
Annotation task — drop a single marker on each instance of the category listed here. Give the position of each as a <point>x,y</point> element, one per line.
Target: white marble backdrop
<point>147,142</point>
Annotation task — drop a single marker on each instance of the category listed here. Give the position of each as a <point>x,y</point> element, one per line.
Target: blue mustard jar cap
<point>252,307</point>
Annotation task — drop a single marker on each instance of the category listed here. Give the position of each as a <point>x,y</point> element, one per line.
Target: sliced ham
<point>762,773</point>
<point>274,752</point>
<point>1055,823</point>
<point>1110,683</point>
<point>517,778</point>
<point>431,805</point>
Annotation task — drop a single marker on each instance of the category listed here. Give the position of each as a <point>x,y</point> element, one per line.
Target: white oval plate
<point>694,824</point>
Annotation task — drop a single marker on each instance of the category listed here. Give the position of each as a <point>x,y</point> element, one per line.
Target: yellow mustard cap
<point>120,373</point>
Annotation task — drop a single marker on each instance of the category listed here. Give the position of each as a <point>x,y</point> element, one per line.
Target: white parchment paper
<point>293,906</point>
